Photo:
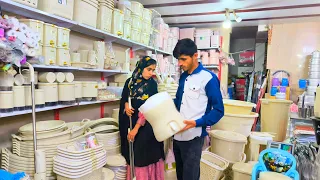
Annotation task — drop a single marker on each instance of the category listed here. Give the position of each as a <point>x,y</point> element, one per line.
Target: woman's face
<point>148,71</point>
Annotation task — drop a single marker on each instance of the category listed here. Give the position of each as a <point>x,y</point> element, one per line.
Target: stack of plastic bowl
<point>107,133</point>
<point>50,134</point>
<point>76,161</point>
<point>118,165</point>
<point>105,15</point>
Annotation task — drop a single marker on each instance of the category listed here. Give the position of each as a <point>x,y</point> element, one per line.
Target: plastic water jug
<point>161,113</point>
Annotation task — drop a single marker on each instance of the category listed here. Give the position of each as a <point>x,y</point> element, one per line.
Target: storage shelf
<point>29,12</point>
<point>16,113</point>
<point>211,66</point>
<point>37,66</point>
<point>209,48</point>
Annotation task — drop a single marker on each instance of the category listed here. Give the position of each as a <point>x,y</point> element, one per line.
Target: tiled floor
<point>171,175</point>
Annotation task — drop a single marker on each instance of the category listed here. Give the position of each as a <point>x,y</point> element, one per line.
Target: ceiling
<point>211,13</point>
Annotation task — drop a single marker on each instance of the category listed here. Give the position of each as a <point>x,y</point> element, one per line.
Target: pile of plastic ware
<point>118,165</point>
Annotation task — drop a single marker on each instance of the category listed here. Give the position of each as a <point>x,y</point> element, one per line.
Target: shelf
<point>209,48</point>
<point>211,66</point>
<point>16,113</point>
<point>37,66</point>
<point>29,12</point>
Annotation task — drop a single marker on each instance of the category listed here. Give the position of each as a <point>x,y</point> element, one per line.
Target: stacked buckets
<point>105,15</point>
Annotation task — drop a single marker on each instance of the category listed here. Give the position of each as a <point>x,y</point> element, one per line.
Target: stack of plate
<point>105,15</point>
<point>71,163</point>
<point>44,128</point>
<point>118,165</point>
<point>170,88</point>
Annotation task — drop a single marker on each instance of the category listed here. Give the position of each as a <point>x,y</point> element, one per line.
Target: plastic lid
<point>228,136</point>
<point>251,115</point>
<point>276,101</point>
<point>238,103</point>
<point>273,175</point>
<point>116,160</point>
<point>244,168</point>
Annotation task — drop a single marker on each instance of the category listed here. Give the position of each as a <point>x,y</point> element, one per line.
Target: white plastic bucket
<point>136,22</point>
<point>237,107</point>
<point>137,8</point>
<point>127,30</point>
<point>104,21</point>
<point>238,123</point>
<point>117,23</point>
<point>63,57</point>
<point>63,37</point>
<point>135,35</point>
<point>86,12</point>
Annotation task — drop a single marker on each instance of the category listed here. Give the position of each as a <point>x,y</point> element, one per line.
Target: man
<point>200,103</point>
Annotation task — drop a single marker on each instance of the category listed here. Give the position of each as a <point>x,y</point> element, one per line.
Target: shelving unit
<point>211,66</point>
<point>209,48</point>
<point>29,12</point>
<point>17,113</point>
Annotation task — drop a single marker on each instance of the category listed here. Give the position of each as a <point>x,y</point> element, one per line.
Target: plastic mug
<point>285,82</point>
<point>274,91</point>
<point>302,83</point>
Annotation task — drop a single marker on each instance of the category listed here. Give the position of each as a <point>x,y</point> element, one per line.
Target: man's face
<point>186,62</point>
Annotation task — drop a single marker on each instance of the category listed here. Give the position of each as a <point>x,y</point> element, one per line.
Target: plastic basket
<point>212,166</point>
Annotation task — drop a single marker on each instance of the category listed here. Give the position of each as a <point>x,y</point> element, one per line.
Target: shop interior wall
<point>290,49</point>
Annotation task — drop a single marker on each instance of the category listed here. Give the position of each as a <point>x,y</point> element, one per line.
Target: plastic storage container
<point>39,50</point>
<point>127,30</point>
<point>6,103</point>
<point>60,77</point>
<point>63,37</point>
<point>118,22</point>
<point>86,12</point>
<point>257,142</point>
<point>164,118</point>
<point>147,15</point>
<point>136,22</point>
<point>6,81</point>
<point>137,8</point>
<point>39,98</point>
<point>202,38</point>
<point>51,93</point>
<point>212,166</point>
<point>35,25</point>
<point>228,145</point>
<point>47,77</point>
<point>63,57</point>
<point>146,27</point>
<point>187,33</point>
<point>50,34</point>
<point>89,89</point>
<point>19,101</point>
<point>50,55</point>
<point>238,123</point>
<point>66,93</point>
<point>242,171</point>
<point>78,90</point>
<point>135,35</point>
<point>69,77</point>
<point>62,8</point>
<point>215,41</point>
<point>31,3</point>
<point>104,20</point>
<point>274,117</point>
<point>238,107</point>
<point>27,97</point>
<point>145,38</point>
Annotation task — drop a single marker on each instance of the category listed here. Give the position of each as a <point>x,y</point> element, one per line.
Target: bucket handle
<point>173,125</point>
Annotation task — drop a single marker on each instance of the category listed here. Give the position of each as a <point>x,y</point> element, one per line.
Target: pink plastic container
<point>187,33</point>
<point>205,57</point>
<point>214,57</point>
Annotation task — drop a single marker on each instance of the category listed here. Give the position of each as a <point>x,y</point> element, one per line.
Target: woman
<point>148,152</point>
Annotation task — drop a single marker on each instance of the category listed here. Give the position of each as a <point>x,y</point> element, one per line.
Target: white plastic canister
<point>136,22</point>
<point>78,89</point>
<point>104,20</point>
<point>50,91</point>
<point>147,14</point>
<point>6,100</point>
<point>146,27</point>
<point>63,57</point>
<point>50,55</point>
<point>27,96</point>
<point>26,75</point>
<point>145,38</point>
<point>117,23</point>
<point>127,30</point>
<point>6,80</point>
<point>69,77</point>
<point>136,35</point>
<point>75,57</point>
<point>60,77</point>
<point>39,97</point>
<point>89,89</point>
<point>36,26</point>
<point>227,144</point>
<point>66,91</point>
<point>63,37</point>
<point>19,96</point>
<point>137,8</point>
<point>50,35</point>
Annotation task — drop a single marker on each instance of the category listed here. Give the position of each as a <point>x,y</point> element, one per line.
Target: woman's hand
<point>132,134</point>
<point>129,111</point>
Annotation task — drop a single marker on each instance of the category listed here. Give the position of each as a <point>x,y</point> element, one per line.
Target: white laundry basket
<point>212,166</point>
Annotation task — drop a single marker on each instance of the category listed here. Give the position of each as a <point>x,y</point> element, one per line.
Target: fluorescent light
<point>227,24</point>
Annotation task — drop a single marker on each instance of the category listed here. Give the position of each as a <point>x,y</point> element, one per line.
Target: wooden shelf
<point>17,113</point>
<point>33,13</point>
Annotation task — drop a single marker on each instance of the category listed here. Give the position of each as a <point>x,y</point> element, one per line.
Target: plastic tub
<point>118,22</point>
<point>50,34</point>
<point>104,21</point>
<point>6,103</point>
<point>275,112</point>
<point>127,30</point>
<point>50,55</point>
<point>237,107</point>
<point>135,35</point>
<point>212,166</point>
<point>50,91</point>
<point>238,123</point>
<point>137,8</point>
<point>36,26</point>
<point>242,171</point>
<point>136,22</point>
<point>63,8</point>
<point>19,101</point>
<point>86,12</point>
<point>145,38</point>
<point>228,145</point>
<point>63,37</point>
<point>63,57</point>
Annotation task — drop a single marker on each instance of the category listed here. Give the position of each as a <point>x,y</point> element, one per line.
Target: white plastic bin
<point>36,26</point>
<point>237,107</point>
<point>145,38</point>
<point>257,142</point>
<point>50,54</point>
<point>147,15</point>
<point>227,144</point>
<point>242,171</point>
<point>146,27</point>
<point>18,97</point>
<point>62,8</point>
<point>238,123</point>
<point>104,21</point>
<point>187,33</point>
<point>127,30</point>
<point>50,91</point>
<point>63,37</point>
<point>215,41</point>
<point>89,89</point>
<point>118,22</point>
<point>202,41</point>
<point>275,116</point>
<point>137,8</point>
<point>66,92</point>
<point>136,22</point>
<point>50,32</point>
<point>86,12</point>
<point>63,57</point>
<point>135,35</point>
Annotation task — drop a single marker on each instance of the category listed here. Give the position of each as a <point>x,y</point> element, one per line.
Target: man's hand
<point>189,124</point>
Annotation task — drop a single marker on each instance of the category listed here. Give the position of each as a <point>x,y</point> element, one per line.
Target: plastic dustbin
<point>238,107</point>
<point>274,117</point>
<point>257,142</point>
